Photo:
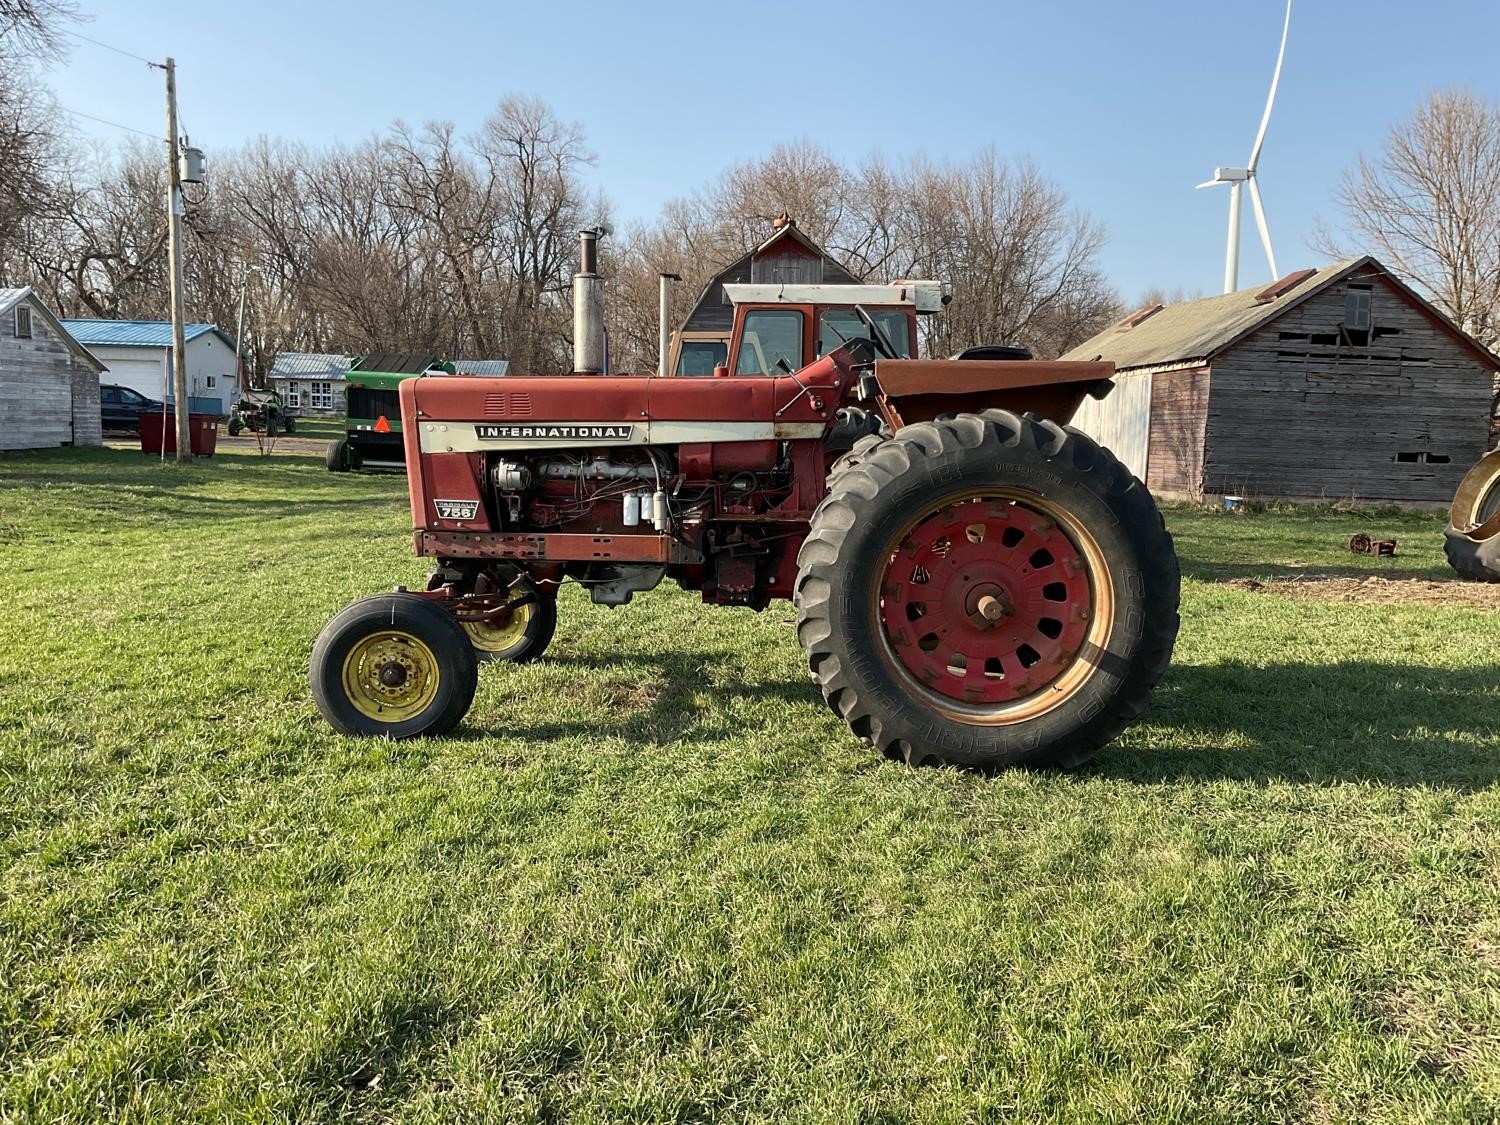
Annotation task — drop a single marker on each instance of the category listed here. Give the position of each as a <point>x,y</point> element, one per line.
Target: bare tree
<point>1428,205</point>
<point>535,162</point>
<point>1021,258</point>
<point>34,27</point>
<point>29,149</point>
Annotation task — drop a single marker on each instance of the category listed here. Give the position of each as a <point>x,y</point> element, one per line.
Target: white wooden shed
<point>49,382</point>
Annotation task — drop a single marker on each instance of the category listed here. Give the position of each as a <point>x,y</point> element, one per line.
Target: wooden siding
<point>1179,412</point>
<point>1298,411</point>
<point>84,388</point>
<point>47,396</point>
<point>783,261</point>
<point>1121,421</point>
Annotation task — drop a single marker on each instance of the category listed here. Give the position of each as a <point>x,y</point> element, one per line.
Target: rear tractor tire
<point>987,591</point>
<point>1472,539</point>
<point>394,665</point>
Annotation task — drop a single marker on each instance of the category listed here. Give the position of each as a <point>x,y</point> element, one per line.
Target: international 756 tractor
<point>976,582</point>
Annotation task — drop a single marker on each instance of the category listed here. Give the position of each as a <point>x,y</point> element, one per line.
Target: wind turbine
<point>1238,178</point>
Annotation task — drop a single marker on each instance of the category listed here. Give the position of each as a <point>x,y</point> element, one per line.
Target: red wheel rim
<point>986,601</point>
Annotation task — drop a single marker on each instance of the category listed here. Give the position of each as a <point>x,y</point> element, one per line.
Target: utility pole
<point>174,260</point>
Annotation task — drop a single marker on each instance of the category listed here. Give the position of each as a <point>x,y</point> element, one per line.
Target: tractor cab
<point>779,329</point>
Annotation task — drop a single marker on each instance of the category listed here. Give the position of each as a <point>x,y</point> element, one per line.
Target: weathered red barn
<point>1327,384</point>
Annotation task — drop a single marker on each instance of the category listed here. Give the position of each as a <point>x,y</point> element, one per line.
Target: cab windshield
<point>835,322</point>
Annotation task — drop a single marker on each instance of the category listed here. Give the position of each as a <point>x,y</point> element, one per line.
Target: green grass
<point>653,878</point>
<point>326,428</point>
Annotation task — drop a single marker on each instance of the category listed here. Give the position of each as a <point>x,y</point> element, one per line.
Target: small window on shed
<point>23,322</point>
<point>1357,307</point>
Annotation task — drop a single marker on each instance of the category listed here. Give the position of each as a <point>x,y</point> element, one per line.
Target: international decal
<point>548,431</point>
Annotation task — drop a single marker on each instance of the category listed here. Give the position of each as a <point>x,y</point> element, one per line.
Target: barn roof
<point>137,333</point>
<point>10,298</point>
<point>790,231</point>
<point>481,366</point>
<point>1163,335</point>
<point>395,363</point>
<point>309,365</point>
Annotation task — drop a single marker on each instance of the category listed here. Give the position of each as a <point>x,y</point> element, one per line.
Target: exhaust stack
<point>664,313</point>
<point>588,307</point>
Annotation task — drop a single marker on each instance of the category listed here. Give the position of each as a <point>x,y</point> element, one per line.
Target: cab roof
<point>923,296</point>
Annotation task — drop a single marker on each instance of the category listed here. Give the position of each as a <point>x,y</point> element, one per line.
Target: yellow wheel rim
<point>489,637</point>
<point>391,676</point>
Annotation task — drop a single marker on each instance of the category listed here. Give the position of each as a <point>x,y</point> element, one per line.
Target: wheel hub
<point>986,601</point>
<point>391,676</point>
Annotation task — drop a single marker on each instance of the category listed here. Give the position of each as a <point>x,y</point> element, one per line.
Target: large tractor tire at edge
<point>988,591</point>
<point>1472,539</point>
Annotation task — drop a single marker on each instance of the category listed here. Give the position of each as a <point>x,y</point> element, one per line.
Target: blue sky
<point>1125,105</point>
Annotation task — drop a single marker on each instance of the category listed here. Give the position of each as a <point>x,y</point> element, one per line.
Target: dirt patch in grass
<point>1376,591</point>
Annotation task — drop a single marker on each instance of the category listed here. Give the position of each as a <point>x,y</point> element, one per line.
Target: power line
<point>114,124</point>
<point>111,47</point>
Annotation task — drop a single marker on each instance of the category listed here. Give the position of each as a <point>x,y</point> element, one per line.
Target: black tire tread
<point>435,625</point>
<point>539,632</point>
<point>1472,560</point>
<point>854,493</point>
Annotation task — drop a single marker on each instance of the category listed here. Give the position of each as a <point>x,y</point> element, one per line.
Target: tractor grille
<point>372,402</point>
<point>507,404</point>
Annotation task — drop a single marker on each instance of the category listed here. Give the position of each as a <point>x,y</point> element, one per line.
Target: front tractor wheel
<point>522,638</point>
<point>987,591</point>
<point>394,665</point>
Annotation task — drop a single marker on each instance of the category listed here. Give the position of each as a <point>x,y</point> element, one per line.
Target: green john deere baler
<point>372,411</point>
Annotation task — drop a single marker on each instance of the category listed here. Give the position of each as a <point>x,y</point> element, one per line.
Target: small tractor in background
<point>1472,539</point>
<point>976,582</point>
<point>261,413</point>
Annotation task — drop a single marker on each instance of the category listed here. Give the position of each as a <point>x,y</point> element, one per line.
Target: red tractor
<point>976,583</point>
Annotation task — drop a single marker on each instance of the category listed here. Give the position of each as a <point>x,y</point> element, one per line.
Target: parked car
<point>120,408</point>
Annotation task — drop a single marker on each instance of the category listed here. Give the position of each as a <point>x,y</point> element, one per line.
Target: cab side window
<point>770,335</point>
<point>700,357</point>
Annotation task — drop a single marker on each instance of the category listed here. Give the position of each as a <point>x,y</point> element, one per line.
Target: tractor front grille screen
<point>372,402</point>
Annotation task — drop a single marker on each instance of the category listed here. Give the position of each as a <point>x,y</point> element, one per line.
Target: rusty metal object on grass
<point>1362,544</point>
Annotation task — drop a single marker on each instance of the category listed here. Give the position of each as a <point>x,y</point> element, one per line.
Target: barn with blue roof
<point>138,354</point>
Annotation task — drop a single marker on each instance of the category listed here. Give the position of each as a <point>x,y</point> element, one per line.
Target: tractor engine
<point>691,492</point>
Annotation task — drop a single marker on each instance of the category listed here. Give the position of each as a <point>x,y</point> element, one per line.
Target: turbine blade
<point>1265,231</point>
<point>1265,118</point>
<point>1212,183</point>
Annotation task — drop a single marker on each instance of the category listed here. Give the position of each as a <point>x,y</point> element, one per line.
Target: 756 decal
<point>456,509</point>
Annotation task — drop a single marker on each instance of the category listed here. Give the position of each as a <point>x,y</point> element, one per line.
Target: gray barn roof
<point>481,366</point>
<point>309,365</point>
<point>1198,330</point>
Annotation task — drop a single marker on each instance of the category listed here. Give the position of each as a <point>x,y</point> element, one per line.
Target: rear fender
<point>918,390</point>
